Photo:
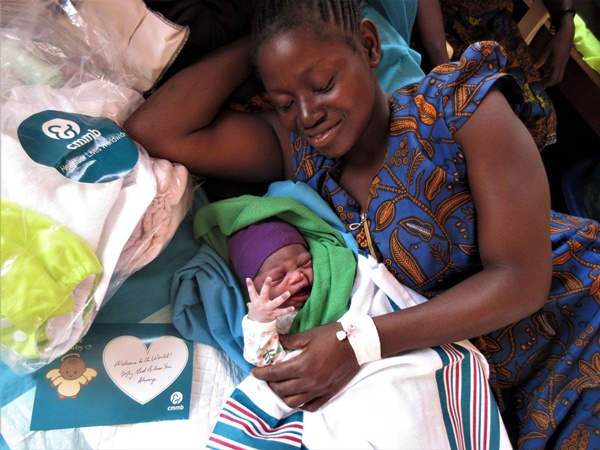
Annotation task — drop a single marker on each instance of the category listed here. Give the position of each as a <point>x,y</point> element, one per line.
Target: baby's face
<point>291,270</point>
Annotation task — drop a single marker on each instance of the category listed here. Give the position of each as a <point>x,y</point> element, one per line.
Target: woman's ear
<point>369,38</point>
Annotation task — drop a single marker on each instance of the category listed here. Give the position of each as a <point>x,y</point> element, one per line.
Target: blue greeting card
<point>117,373</point>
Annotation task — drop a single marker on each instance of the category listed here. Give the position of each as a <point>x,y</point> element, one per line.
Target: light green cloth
<point>586,44</point>
<point>42,263</point>
<point>334,264</point>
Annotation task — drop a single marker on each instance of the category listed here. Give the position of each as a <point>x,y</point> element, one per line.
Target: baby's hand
<point>261,308</point>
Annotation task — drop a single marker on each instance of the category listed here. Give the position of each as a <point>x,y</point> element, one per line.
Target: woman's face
<point>290,269</point>
<point>323,89</point>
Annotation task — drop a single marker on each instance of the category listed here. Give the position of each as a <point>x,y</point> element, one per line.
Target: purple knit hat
<point>251,246</point>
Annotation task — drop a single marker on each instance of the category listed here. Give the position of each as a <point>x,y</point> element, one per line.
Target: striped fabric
<point>469,410</point>
<point>454,409</point>
<point>243,425</point>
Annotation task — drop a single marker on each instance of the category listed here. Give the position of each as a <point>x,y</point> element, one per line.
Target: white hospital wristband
<point>363,337</point>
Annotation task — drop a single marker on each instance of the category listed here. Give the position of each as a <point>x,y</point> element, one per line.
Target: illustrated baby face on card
<point>71,376</point>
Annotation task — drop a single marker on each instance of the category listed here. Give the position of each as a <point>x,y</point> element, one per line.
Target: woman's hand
<point>313,377</point>
<point>553,60</point>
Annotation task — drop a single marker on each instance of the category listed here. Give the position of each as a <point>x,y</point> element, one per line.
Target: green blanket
<point>333,262</point>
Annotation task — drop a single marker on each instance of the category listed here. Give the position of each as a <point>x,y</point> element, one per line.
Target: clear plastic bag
<point>76,191</point>
<point>50,42</point>
<point>74,41</point>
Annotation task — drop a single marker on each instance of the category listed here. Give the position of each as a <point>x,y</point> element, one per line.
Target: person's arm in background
<point>428,34</point>
<point>553,60</point>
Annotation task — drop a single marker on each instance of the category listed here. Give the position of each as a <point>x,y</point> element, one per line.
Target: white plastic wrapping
<point>83,205</point>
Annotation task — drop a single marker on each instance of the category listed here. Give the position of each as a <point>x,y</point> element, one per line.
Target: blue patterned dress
<point>421,221</point>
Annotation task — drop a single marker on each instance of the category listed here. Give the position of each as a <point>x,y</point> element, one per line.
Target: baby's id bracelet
<point>363,337</point>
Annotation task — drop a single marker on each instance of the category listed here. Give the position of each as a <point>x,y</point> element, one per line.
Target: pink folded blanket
<point>162,218</point>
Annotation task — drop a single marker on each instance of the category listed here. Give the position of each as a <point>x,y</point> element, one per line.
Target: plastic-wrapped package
<point>62,273</point>
<point>67,85</point>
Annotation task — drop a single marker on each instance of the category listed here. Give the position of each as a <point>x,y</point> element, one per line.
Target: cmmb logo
<point>80,147</point>
<point>176,399</point>
<point>61,129</point>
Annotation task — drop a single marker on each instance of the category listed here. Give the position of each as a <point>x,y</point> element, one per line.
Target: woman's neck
<point>369,152</point>
<point>364,161</point>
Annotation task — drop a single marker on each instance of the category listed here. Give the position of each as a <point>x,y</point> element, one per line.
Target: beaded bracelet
<point>363,337</point>
<point>556,18</point>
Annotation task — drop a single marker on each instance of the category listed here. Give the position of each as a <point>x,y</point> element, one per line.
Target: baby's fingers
<point>283,311</point>
<point>266,289</point>
<point>278,301</point>
<point>263,297</point>
<point>251,289</point>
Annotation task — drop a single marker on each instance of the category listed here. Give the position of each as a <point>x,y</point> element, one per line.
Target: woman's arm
<point>509,187</point>
<point>510,190</point>
<point>184,121</point>
<point>553,60</point>
<point>428,34</point>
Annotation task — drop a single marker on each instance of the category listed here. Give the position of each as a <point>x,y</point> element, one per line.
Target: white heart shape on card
<point>144,372</point>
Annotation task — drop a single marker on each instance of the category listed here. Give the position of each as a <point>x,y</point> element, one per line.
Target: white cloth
<point>46,191</point>
<point>139,188</point>
<point>407,401</point>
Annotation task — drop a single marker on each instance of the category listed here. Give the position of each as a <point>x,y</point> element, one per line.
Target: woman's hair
<point>272,16</point>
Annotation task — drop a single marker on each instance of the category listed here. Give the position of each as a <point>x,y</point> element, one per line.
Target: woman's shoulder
<point>479,61</point>
<point>457,88</point>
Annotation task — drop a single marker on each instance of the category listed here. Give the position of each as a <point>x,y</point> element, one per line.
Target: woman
<point>394,168</point>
